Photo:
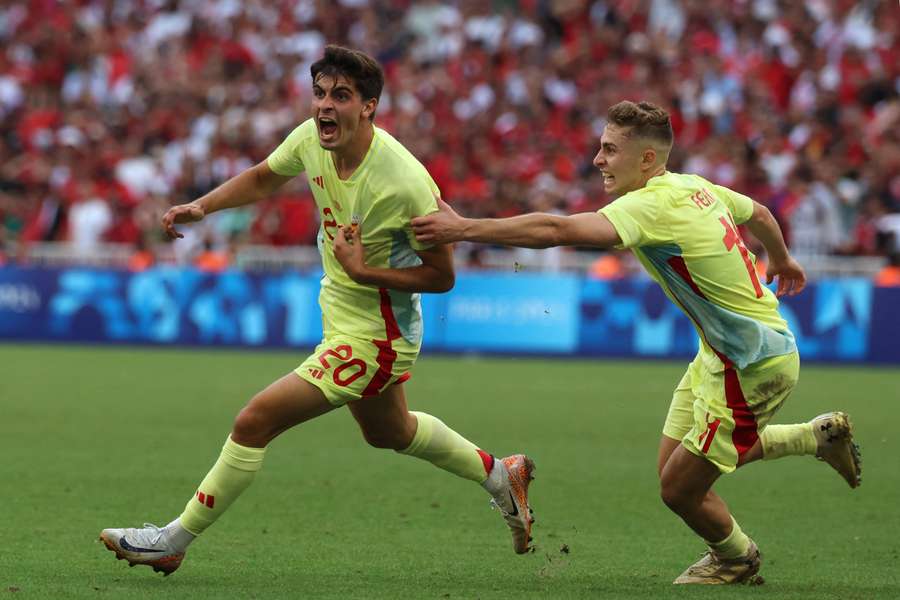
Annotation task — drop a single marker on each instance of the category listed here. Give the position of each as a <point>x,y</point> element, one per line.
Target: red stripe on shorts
<point>745,433</point>
<point>386,353</point>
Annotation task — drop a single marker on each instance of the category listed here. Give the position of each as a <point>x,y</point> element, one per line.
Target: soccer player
<point>366,183</point>
<point>683,229</point>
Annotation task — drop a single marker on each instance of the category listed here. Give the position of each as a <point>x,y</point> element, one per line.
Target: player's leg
<point>686,482</point>
<point>686,478</point>
<point>386,422</point>
<point>828,437</point>
<point>285,403</point>
<point>685,486</point>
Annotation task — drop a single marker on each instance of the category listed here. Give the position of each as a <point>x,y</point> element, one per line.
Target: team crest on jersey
<point>320,181</point>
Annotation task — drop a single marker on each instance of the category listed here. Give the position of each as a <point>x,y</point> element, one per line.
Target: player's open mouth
<point>608,179</point>
<point>327,127</point>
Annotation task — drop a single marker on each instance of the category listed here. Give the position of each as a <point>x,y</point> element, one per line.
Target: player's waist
<point>371,312</point>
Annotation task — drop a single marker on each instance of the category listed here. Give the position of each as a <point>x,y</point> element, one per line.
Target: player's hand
<point>791,278</point>
<point>439,227</point>
<point>349,251</point>
<point>183,213</point>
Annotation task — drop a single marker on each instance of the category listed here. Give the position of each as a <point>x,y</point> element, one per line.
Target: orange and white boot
<point>149,545</point>
<point>511,498</point>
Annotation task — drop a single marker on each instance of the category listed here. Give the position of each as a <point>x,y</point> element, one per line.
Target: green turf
<point>100,437</point>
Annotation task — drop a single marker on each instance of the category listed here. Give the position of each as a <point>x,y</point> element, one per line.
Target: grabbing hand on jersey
<point>439,227</point>
<point>349,251</point>
<point>183,213</point>
<point>791,278</point>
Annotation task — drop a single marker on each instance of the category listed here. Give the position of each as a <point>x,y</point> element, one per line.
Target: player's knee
<point>673,495</point>
<point>386,440</point>
<point>251,425</point>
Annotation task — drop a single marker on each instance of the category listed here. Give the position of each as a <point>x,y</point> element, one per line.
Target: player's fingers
<point>770,277</point>
<point>169,228</point>
<point>779,291</point>
<point>421,223</point>
<point>793,286</point>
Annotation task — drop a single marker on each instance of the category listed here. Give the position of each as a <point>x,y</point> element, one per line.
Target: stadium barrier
<point>842,320</point>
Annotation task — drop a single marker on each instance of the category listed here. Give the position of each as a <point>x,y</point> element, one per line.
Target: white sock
<point>496,479</point>
<point>178,535</point>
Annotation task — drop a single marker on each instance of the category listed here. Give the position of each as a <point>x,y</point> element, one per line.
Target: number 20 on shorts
<point>346,368</point>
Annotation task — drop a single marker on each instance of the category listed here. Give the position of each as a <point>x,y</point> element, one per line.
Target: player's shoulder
<point>393,152</point>
<point>395,166</point>
<point>304,134</point>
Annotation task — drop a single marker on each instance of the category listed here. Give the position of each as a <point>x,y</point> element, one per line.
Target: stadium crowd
<point>112,110</point>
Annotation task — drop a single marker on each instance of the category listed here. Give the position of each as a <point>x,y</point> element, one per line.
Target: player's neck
<point>347,160</point>
<point>660,170</point>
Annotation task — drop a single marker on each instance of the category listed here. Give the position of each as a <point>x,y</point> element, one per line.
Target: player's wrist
<point>467,230</point>
<point>362,274</point>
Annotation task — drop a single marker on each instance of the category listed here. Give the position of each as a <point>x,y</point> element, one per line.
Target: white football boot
<point>835,445</point>
<point>512,499</point>
<point>149,546</point>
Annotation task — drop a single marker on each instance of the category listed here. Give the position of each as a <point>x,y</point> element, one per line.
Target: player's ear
<point>369,108</point>
<point>648,159</point>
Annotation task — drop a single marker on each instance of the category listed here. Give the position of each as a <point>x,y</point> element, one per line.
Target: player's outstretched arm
<point>247,187</point>
<point>435,274</point>
<point>534,230</point>
<point>791,278</point>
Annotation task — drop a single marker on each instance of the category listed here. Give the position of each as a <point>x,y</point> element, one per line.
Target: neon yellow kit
<point>371,336</point>
<point>683,229</point>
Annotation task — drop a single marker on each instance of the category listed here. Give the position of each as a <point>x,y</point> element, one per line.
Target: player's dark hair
<point>644,119</point>
<point>363,71</point>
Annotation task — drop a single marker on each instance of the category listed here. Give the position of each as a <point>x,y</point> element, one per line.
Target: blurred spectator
<point>608,266</point>
<point>889,275</point>
<point>210,260</point>
<point>109,112</point>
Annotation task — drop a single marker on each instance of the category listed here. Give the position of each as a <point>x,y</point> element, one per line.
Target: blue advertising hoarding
<point>846,320</point>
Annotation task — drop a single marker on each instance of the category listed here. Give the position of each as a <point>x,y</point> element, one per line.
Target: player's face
<point>339,111</point>
<point>619,159</point>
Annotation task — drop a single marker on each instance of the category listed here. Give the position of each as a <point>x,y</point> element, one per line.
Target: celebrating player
<point>367,187</point>
<point>683,229</point>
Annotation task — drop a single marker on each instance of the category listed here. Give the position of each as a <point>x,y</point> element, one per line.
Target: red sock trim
<point>487,460</point>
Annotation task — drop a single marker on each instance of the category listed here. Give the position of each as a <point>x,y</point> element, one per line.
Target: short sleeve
<point>635,217</point>
<point>420,196</point>
<point>285,159</point>
<point>739,205</point>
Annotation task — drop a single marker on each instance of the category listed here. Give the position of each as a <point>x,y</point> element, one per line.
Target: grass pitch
<point>102,437</point>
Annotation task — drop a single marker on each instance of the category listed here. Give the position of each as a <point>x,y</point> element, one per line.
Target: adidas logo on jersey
<point>320,181</point>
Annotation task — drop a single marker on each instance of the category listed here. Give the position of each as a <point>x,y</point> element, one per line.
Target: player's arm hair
<point>435,274</point>
<point>543,230</point>
<point>247,187</point>
<point>765,228</point>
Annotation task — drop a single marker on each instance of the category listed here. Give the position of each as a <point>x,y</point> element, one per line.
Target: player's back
<point>684,231</point>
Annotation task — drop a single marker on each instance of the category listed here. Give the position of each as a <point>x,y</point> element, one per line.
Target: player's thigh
<point>733,407</point>
<point>384,419</point>
<point>679,419</point>
<point>346,368</point>
<point>767,384</point>
<point>667,446</point>
<point>286,402</point>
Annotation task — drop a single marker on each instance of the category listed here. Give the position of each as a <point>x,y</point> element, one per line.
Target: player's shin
<point>230,476</point>
<point>787,440</point>
<point>446,449</point>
